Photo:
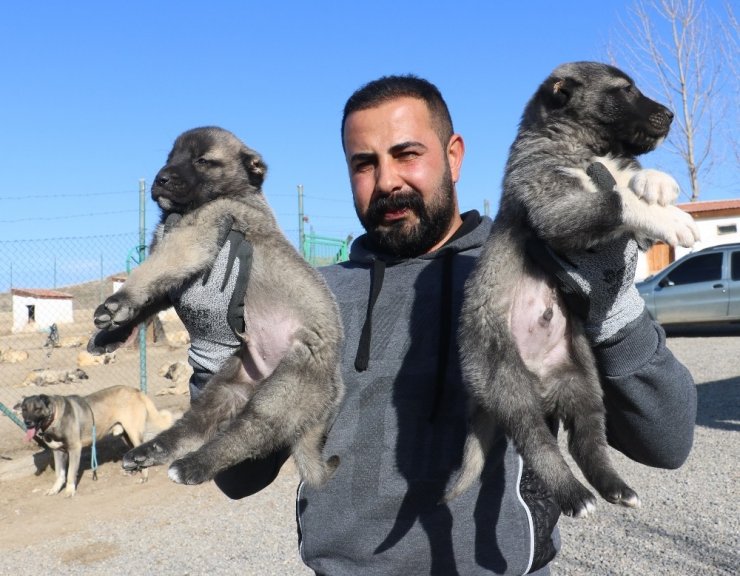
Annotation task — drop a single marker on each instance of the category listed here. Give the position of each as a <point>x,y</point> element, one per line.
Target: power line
<point>58,238</point>
<point>75,195</point>
<point>67,217</point>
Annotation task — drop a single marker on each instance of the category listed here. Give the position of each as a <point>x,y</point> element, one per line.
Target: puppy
<point>282,386</point>
<point>525,356</point>
<point>65,424</point>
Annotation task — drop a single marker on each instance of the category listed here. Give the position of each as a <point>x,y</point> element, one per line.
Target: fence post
<point>142,256</point>
<point>301,235</point>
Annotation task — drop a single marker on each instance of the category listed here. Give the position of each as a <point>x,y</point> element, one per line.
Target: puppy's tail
<point>161,419</point>
<point>471,468</point>
<point>477,446</point>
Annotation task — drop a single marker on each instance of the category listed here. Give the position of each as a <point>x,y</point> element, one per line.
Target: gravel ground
<point>689,522</point>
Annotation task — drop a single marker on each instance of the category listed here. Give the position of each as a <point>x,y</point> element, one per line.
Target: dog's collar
<point>43,426</point>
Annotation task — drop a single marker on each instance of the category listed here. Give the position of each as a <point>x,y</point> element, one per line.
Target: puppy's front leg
<point>657,222</point>
<point>182,254</point>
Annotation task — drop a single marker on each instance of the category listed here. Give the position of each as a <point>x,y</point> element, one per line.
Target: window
<point>735,265</point>
<point>726,229</point>
<point>704,268</point>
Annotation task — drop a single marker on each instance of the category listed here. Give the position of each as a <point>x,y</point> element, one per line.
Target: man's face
<point>402,177</point>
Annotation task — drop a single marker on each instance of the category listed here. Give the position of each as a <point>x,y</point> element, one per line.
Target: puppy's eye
<point>203,162</point>
<point>629,89</point>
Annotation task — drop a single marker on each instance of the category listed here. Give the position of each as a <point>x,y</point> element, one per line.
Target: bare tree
<point>680,49</point>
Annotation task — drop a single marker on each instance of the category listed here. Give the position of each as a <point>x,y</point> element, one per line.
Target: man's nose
<point>387,177</point>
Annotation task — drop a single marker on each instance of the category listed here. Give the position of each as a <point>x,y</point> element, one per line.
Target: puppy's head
<point>603,104</point>
<point>36,412</point>
<point>207,163</point>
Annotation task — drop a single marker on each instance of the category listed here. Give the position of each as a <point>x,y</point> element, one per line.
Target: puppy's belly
<point>268,338</point>
<point>539,326</point>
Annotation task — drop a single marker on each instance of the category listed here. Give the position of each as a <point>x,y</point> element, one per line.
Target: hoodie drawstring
<point>362,359</point>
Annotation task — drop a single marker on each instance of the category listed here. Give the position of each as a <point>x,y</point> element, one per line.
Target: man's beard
<point>405,239</point>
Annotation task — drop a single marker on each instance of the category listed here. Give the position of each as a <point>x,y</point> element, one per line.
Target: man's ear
<point>455,153</point>
<point>255,167</point>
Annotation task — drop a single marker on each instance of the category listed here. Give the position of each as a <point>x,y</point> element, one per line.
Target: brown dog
<point>65,424</point>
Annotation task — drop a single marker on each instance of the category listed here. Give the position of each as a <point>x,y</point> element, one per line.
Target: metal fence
<point>322,251</point>
<point>48,292</point>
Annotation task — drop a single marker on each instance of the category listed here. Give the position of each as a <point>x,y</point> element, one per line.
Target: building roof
<point>41,293</point>
<point>707,208</point>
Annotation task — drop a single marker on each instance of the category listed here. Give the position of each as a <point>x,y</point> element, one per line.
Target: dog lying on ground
<point>282,387</point>
<point>525,356</point>
<point>65,425</point>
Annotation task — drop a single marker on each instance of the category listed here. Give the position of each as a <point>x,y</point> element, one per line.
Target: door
<point>693,291</point>
<point>734,285</point>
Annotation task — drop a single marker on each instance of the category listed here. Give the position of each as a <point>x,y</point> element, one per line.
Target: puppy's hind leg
<point>581,408</point>
<point>294,400</point>
<point>135,436</point>
<point>223,397</point>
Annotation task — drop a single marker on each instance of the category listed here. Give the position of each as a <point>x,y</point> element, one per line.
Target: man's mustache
<point>394,202</point>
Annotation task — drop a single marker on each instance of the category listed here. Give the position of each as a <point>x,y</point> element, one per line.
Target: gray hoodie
<point>400,432</point>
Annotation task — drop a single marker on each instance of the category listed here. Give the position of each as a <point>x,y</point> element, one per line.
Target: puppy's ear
<point>557,92</point>
<point>45,399</point>
<point>255,167</point>
<point>18,407</point>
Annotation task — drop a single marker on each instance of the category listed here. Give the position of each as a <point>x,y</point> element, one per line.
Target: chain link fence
<point>48,292</point>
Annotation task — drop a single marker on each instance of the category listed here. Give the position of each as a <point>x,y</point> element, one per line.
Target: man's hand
<point>598,284</point>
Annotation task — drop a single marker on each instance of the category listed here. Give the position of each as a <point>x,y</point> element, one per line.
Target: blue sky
<point>94,93</point>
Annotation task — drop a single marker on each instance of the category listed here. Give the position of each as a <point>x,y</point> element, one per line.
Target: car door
<point>734,304</point>
<point>693,291</point>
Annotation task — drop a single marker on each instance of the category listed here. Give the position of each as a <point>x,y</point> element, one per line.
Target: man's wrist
<point>630,348</point>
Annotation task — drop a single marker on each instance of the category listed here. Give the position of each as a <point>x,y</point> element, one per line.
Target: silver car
<point>700,287</point>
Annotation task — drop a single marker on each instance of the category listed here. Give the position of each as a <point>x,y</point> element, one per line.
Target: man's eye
<point>408,154</point>
<point>362,167</point>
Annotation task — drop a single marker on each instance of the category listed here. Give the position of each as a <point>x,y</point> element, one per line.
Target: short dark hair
<point>389,88</point>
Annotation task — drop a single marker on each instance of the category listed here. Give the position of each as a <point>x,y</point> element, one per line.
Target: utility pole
<point>486,208</point>
<point>301,234</point>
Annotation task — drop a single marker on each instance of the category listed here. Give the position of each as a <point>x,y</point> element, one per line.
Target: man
<point>401,430</point>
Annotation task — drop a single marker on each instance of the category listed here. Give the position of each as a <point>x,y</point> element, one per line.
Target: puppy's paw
<point>669,224</point>
<point>655,187</point>
<point>152,453</point>
<point>191,469</point>
<point>576,501</point>
<point>116,311</point>
<point>675,227</point>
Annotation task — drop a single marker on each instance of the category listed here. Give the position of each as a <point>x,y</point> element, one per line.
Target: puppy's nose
<point>161,179</point>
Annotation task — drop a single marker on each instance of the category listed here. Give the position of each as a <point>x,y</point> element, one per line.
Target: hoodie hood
<point>469,235</point>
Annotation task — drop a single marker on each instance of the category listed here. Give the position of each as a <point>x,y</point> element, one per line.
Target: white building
<point>37,308</point>
<point>718,222</point>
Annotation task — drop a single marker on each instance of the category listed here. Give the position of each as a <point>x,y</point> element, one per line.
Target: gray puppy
<point>525,356</point>
<point>283,386</point>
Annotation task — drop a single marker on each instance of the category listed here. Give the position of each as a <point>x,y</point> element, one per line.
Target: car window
<point>704,268</point>
<point>735,266</point>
